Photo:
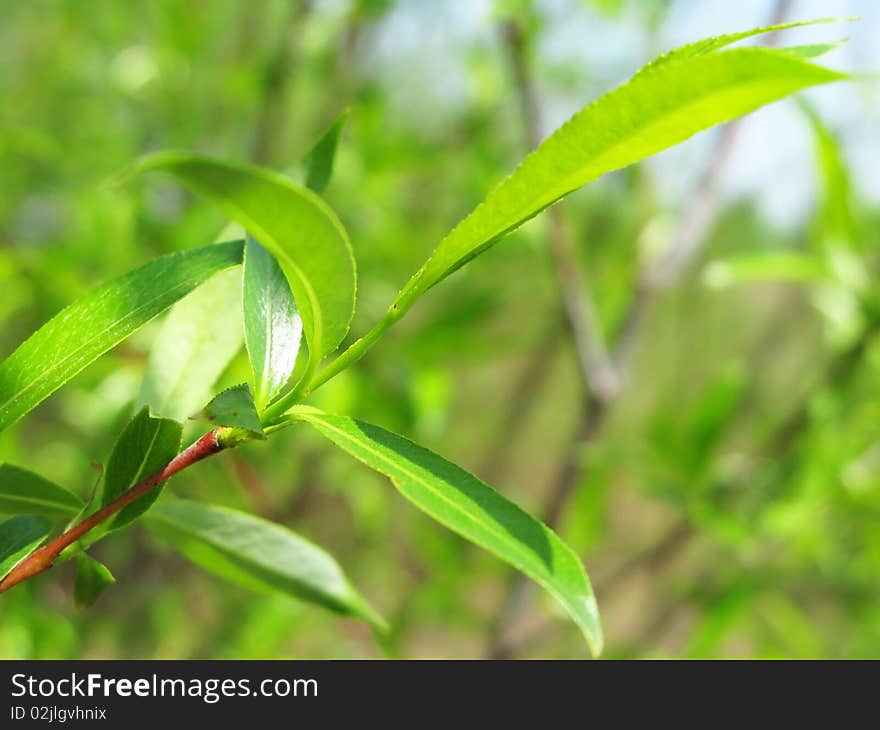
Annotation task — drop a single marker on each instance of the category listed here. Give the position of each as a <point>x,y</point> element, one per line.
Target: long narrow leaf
<point>257,554</point>
<point>656,109</point>
<point>23,492</point>
<point>471,508</point>
<point>85,330</point>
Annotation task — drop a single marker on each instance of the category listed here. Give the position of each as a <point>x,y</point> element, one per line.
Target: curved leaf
<point>23,492</point>
<point>85,330</point>
<point>272,325</point>
<point>319,159</point>
<point>656,109</point>
<point>471,508</point>
<point>294,224</point>
<point>257,554</point>
<point>234,407</point>
<point>19,537</point>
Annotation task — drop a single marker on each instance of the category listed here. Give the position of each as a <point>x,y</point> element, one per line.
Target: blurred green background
<point>727,501</point>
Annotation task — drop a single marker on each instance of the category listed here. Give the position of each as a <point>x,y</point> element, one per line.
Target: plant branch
<point>44,557</point>
<point>581,317</point>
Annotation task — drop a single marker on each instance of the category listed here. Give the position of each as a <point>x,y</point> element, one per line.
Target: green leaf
<point>19,537</point>
<point>235,407</point>
<point>708,45</point>
<point>144,447</point>
<point>814,50</point>
<point>82,332</point>
<point>656,109</point>
<point>471,508</point>
<point>23,492</point>
<point>294,224</point>
<point>92,579</point>
<point>318,161</point>
<point>198,339</point>
<point>272,325</point>
<point>768,266</point>
<point>257,554</point>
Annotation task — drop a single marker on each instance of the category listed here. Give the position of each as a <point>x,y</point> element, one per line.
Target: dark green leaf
<point>272,325</point>
<point>144,447</point>
<point>318,161</point>
<point>257,554</point>
<point>198,339</point>
<point>23,492</point>
<point>294,224</point>
<point>19,537</point>
<point>82,332</point>
<point>92,579</point>
<point>471,508</point>
<point>235,407</point>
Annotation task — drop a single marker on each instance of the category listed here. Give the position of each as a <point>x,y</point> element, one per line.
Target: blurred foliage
<point>728,506</point>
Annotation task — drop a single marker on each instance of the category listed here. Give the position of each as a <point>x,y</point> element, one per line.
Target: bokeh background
<point>725,498</point>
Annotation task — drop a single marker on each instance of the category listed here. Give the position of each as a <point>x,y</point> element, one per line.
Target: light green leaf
<point>235,407</point>
<point>294,224</point>
<point>92,579</point>
<point>272,325</point>
<point>814,50</point>
<point>319,160</point>
<point>768,266</point>
<point>656,109</point>
<point>257,554</point>
<point>19,537</point>
<point>471,508</point>
<point>144,447</point>
<point>82,332</point>
<point>708,45</point>
<point>198,339</point>
<point>23,492</point>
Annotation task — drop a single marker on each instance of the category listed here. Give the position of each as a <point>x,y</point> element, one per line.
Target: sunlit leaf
<point>199,337</point>
<point>23,492</point>
<point>272,325</point>
<point>85,330</point>
<point>471,508</point>
<point>294,224</point>
<point>19,536</point>
<point>92,579</point>
<point>257,554</point>
<point>689,91</point>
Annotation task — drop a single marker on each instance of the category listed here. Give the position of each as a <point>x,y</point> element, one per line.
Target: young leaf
<point>145,445</point>
<point>294,224</point>
<point>272,325</point>
<point>318,161</point>
<point>656,109</point>
<point>257,554</point>
<point>471,508</point>
<point>19,537</point>
<point>85,330</point>
<point>92,579</point>
<point>235,407</point>
<point>197,341</point>
<point>23,492</point>
<point>708,45</point>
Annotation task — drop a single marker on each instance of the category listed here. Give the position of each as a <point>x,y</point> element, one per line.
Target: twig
<point>44,557</point>
<point>581,318</point>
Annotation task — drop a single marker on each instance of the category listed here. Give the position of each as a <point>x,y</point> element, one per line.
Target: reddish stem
<point>43,558</point>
